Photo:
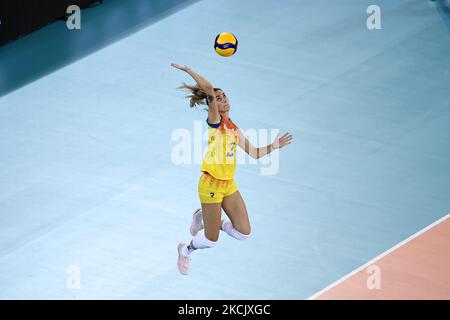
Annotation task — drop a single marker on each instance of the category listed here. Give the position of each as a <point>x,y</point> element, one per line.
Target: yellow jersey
<point>220,158</point>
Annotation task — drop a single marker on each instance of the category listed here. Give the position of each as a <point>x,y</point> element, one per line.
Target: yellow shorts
<point>212,190</point>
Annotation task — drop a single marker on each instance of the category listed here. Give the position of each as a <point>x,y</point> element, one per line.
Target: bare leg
<point>203,240</point>
<point>211,220</point>
<point>234,207</point>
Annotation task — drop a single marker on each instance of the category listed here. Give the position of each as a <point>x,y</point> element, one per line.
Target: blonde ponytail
<point>196,95</point>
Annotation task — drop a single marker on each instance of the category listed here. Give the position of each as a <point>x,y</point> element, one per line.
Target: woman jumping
<point>217,189</point>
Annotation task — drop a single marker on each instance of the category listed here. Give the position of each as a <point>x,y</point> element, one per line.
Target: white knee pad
<point>240,236</point>
<point>227,226</point>
<point>201,242</point>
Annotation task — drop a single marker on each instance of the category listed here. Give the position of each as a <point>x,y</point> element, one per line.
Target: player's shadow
<point>54,46</point>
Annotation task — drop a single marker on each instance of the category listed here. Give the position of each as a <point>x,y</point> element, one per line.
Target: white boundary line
<point>378,257</point>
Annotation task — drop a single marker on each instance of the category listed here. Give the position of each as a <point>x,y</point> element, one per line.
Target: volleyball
<point>225,44</point>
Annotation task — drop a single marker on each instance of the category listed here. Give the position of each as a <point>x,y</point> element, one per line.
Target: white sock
<point>199,242</point>
<point>187,250</point>
<point>227,226</point>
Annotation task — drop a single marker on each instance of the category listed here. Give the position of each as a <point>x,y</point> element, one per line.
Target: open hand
<point>280,142</point>
<point>182,68</point>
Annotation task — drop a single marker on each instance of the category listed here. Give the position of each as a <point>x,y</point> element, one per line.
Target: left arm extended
<point>257,153</point>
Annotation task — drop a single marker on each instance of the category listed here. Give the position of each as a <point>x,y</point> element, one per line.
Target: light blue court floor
<point>93,201</point>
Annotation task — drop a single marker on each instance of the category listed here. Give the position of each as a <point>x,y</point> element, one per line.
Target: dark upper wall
<point>54,46</point>
<point>20,17</point>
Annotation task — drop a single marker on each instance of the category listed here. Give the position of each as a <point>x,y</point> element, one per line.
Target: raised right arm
<point>206,86</point>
